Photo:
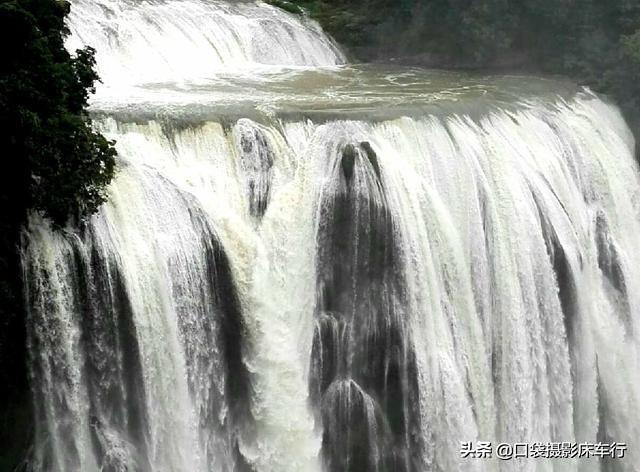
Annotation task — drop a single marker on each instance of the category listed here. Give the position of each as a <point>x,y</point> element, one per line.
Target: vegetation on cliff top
<point>53,162</point>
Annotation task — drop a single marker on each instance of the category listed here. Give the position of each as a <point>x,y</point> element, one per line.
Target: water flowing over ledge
<point>418,261</point>
<point>167,40</point>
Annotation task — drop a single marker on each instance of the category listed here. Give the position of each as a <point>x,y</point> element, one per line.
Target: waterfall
<point>331,268</point>
<point>148,41</point>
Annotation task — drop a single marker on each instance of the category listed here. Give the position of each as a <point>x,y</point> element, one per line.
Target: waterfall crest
<point>155,41</point>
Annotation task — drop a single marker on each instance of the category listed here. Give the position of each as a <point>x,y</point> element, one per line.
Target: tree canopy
<point>54,162</point>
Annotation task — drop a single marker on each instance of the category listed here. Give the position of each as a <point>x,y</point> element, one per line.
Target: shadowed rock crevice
<point>610,263</point>
<point>363,372</point>
<point>113,365</point>
<point>255,162</point>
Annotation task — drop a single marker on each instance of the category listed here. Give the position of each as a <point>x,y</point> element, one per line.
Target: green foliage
<point>54,163</point>
<point>631,46</point>
<point>286,6</point>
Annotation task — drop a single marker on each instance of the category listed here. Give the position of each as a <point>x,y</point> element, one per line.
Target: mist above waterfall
<point>308,266</point>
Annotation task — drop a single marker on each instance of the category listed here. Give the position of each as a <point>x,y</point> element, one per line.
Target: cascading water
<point>304,267</point>
<point>156,41</point>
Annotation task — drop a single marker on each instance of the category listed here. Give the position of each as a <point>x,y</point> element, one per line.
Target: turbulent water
<point>305,266</point>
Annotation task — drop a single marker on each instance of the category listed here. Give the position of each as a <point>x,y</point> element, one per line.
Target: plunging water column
<point>307,266</point>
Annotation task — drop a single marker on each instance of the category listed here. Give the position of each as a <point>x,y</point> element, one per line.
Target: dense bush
<point>52,162</point>
<point>597,42</point>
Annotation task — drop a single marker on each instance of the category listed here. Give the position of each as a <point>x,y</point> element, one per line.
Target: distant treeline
<point>596,42</point>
